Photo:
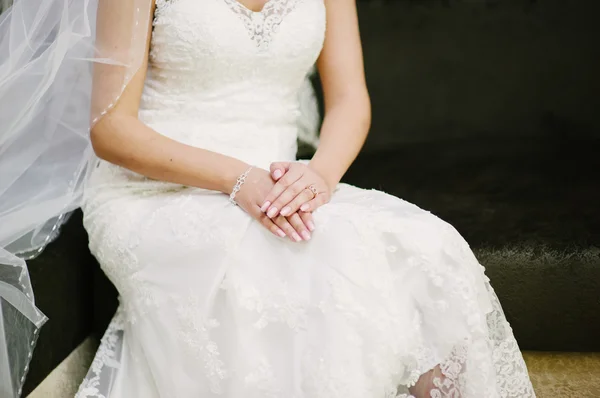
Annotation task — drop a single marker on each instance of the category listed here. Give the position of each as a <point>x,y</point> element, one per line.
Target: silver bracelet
<point>238,184</point>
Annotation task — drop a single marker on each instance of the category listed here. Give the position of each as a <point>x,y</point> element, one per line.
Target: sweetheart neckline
<point>264,6</point>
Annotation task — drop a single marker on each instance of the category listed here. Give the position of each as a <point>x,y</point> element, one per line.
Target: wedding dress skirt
<point>213,305</point>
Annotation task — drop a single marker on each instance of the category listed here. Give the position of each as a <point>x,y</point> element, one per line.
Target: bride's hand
<point>298,188</point>
<point>250,197</point>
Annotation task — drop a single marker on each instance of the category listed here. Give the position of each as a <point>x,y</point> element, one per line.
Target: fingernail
<point>277,173</point>
<point>311,226</point>
<point>296,237</point>
<point>272,211</point>
<point>280,233</point>
<point>305,235</point>
<point>304,207</point>
<point>265,206</point>
<point>285,211</point>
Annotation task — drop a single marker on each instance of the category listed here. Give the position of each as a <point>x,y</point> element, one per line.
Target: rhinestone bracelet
<point>238,185</point>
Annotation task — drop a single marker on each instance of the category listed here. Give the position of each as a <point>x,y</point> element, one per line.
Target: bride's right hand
<point>251,196</point>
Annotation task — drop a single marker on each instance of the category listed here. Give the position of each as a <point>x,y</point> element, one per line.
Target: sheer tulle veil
<point>63,65</point>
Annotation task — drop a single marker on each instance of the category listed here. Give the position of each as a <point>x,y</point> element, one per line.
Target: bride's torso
<point>224,78</point>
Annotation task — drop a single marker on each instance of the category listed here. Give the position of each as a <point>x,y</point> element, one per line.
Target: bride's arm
<point>347,105</point>
<point>345,126</point>
<point>120,138</point>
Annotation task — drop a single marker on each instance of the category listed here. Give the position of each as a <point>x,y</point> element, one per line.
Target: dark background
<point>442,70</point>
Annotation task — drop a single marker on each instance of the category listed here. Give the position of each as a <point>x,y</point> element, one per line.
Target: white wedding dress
<point>213,305</point>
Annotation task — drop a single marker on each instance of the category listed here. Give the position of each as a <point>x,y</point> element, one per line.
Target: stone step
<point>553,374</point>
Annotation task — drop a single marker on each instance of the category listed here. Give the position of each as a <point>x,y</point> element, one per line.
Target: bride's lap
<point>376,267</point>
<point>192,232</point>
<point>153,246</point>
<point>160,238</point>
<point>161,227</point>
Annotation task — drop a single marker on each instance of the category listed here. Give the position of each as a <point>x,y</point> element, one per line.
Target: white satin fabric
<point>213,305</point>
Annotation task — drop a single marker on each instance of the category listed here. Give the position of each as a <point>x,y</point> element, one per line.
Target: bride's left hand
<point>292,191</point>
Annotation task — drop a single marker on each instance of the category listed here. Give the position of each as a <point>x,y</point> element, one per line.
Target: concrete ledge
<point>64,380</point>
<point>565,374</point>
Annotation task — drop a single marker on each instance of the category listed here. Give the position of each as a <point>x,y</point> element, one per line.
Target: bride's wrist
<point>230,176</point>
<point>330,179</point>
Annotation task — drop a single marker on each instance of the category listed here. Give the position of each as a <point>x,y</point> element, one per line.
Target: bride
<point>245,273</point>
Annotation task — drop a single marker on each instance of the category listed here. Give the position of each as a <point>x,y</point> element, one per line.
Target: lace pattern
<point>272,302</point>
<point>262,380</point>
<point>100,376</point>
<point>195,332</point>
<point>450,325</point>
<point>261,25</point>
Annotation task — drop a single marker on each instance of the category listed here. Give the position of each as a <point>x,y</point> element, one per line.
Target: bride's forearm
<point>124,140</point>
<point>345,128</point>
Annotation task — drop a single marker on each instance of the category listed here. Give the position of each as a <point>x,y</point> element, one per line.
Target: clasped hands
<point>284,198</point>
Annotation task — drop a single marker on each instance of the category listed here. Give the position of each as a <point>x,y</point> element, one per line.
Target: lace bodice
<point>218,44</point>
<point>233,73</point>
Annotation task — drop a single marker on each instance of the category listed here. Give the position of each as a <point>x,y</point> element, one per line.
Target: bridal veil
<point>52,52</point>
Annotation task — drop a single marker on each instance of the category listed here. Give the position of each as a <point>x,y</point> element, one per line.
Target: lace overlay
<point>263,24</point>
<point>386,300</point>
<point>195,333</point>
<point>98,381</point>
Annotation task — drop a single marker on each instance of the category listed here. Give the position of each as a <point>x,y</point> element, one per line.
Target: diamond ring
<point>312,189</point>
